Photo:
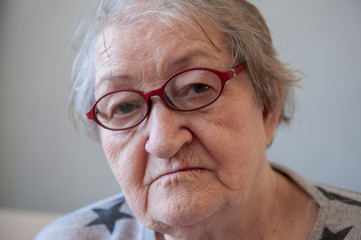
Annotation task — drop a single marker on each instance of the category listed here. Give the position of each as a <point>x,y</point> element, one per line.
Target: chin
<point>185,208</point>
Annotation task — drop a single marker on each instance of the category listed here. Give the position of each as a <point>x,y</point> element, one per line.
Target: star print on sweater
<point>108,217</point>
<point>334,196</point>
<point>329,235</point>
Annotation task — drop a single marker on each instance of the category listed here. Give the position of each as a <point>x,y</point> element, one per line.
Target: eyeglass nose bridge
<point>160,93</point>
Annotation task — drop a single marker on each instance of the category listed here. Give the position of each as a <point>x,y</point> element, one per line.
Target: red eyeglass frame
<point>223,76</point>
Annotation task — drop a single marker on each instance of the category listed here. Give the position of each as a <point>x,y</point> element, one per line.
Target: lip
<point>180,171</point>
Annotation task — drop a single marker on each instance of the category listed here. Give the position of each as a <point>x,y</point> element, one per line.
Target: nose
<point>167,131</point>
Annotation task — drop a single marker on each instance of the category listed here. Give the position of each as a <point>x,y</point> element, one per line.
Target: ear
<point>271,117</point>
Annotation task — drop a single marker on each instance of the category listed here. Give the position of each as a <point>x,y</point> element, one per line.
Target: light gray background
<point>45,165</point>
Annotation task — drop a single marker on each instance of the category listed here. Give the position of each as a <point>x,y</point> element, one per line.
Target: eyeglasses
<point>188,90</point>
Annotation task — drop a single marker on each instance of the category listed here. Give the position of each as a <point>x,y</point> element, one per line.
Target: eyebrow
<point>184,60</point>
<point>117,77</point>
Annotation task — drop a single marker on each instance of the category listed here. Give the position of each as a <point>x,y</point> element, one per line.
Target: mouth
<point>194,170</point>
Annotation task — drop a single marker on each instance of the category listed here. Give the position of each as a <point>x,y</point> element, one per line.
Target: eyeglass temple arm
<point>239,68</point>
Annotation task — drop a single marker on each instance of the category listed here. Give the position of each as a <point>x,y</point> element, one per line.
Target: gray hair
<point>247,36</point>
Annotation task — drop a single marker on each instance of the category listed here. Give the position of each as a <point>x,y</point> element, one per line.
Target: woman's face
<point>180,168</point>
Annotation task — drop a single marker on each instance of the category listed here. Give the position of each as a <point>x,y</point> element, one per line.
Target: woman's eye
<point>200,88</point>
<point>125,108</point>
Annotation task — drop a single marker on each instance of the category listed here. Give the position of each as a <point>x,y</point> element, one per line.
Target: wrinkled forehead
<point>137,19</point>
<point>123,43</point>
<point>138,43</point>
<point>154,32</point>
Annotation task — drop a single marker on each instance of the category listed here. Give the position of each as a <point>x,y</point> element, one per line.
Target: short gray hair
<point>247,36</point>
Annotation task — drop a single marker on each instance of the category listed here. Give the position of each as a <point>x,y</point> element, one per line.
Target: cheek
<point>127,161</point>
<point>235,139</point>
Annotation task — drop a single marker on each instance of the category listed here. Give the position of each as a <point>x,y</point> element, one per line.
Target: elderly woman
<point>185,97</point>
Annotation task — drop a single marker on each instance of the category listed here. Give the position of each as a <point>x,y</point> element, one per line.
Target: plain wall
<point>45,165</point>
